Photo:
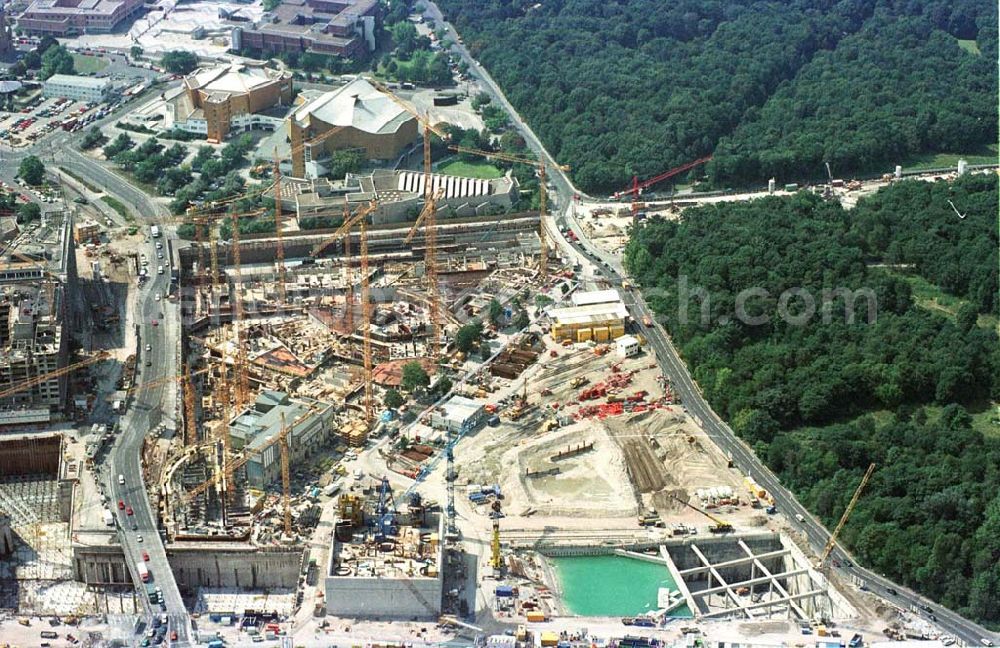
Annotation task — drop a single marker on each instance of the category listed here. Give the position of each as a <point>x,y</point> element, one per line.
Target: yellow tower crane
<point>427,218</point>
<point>279,235</point>
<point>360,218</point>
<point>234,464</point>
<point>832,542</point>
<point>58,373</point>
<point>543,254</point>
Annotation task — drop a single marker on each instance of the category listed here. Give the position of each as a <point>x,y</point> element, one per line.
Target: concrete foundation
<point>242,567</point>
<point>414,596</point>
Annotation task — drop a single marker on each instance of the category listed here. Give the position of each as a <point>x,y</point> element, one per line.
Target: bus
<point>143,571</point>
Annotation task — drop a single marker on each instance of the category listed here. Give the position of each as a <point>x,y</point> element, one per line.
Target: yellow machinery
<point>832,542</point>
<point>720,525</point>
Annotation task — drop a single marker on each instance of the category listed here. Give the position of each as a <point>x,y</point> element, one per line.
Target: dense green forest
<point>822,397</point>
<point>615,88</point>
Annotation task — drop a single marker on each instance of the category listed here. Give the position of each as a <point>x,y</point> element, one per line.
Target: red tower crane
<point>638,187</point>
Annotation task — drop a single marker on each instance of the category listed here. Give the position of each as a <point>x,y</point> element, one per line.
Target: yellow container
<point>549,638</point>
<point>617,332</point>
<point>535,617</point>
<point>601,333</point>
<point>522,633</point>
<point>583,335</point>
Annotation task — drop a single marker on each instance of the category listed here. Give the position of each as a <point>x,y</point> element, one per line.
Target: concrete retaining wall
<point>387,598</point>
<point>241,568</point>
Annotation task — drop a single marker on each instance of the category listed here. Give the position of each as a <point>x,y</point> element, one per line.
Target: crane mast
<point>280,251</point>
<point>348,277</point>
<point>366,309</point>
<point>286,479</point>
<point>832,542</point>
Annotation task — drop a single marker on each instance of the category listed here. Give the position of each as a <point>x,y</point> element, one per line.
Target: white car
<point>138,538</point>
<point>149,347</point>
<point>121,479</point>
<point>157,296</point>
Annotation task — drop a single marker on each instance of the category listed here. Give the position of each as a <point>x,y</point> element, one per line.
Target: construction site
<point>392,420</point>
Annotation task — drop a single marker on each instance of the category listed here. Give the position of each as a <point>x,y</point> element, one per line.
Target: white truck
<point>155,231</point>
<point>109,518</point>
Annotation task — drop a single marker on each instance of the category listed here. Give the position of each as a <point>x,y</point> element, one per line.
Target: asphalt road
<point>672,366</point>
<point>150,407</point>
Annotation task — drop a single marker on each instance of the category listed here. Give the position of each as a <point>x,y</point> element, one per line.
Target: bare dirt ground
<point>639,461</point>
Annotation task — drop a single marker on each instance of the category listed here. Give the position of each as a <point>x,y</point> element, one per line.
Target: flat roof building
<point>362,117</point>
<point>77,88</point>
<point>336,27</point>
<point>599,322</point>
<point>73,17</point>
<point>585,298</point>
<point>459,415</point>
<point>310,423</point>
<point>400,194</point>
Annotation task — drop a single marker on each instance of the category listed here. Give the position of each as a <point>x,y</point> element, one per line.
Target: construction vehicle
<point>720,526</point>
<point>578,381</point>
<point>832,542</point>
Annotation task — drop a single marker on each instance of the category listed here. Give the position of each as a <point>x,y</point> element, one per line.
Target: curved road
<point>150,407</point>
<point>673,367</point>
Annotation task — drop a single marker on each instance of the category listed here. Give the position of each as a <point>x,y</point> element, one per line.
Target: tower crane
<point>58,373</point>
<point>360,218</point>
<point>427,218</point>
<point>286,478</point>
<point>638,187</point>
<point>366,317</point>
<point>832,542</point>
<point>428,128</point>
<point>241,392</point>
<point>280,252</point>
<point>348,276</point>
<point>721,526</point>
<point>542,196</point>
<point>234,464</point>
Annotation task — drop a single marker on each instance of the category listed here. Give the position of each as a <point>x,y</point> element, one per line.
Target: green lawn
<point>88,64</point>
<point>927,295</point>
<point>116,205</point>
<point>481,170</point>
<point>969,46</point>
<point>988,154</point>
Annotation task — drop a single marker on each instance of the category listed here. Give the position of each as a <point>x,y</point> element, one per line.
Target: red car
<point>156,323</point>
<point>173,635</point>
<point>121,504</point>
<point>145,556</point>
<point>128,510</point>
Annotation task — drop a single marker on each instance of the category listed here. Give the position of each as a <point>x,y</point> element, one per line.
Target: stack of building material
<point>354,433</point>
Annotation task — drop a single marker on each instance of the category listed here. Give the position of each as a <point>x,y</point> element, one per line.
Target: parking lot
<point>42,116</point>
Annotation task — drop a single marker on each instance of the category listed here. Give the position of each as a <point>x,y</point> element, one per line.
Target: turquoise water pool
<point>611,585</point>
